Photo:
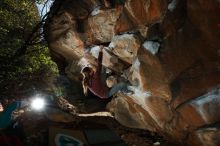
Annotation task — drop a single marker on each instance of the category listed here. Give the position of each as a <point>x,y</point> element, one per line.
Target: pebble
<point>157,143</point>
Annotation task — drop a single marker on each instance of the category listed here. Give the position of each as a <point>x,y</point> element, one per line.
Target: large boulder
<point>141,111</point>
<point>129,113</point>
<point>147,73</point>
<point>143,12</point>
<point>198,10</point>
<point>100,28</point>
<point>203,109</point>
<point>168,51</point>
<point>205,136</point>
<point>125,47</point>
<point>64,40</point>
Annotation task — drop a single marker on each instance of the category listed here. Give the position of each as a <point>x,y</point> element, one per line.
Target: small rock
<point>152,46</point>
<point>96,11</point>
<point>157,143</point>
<point>172,5</point>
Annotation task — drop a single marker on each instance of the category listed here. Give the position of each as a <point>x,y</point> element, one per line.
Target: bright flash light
<point>38,104</point>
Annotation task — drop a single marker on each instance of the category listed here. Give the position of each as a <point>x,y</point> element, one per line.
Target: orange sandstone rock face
<point>125,47</point>
<point>131,114</point>
<point>169,51</point>
<point>147,74</point>
<point>101,27</point>
<point>142,12</point>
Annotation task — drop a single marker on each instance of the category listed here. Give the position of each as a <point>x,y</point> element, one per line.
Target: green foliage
<point>40,1</point>
<point>36,63</point>
<point>18,19</point>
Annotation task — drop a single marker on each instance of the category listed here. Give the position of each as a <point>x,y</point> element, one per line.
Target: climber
<point>92,80</point>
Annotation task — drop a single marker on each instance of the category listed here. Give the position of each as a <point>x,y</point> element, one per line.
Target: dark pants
<point>118,87</point>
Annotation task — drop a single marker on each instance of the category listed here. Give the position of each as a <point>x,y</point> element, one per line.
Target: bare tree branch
<point>32,36</point>
<point>21,51</point>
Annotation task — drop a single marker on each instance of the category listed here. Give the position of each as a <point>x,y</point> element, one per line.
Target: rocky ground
<point>36,126</point>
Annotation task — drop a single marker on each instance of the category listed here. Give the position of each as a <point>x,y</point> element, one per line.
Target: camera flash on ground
<point>38,104</point>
